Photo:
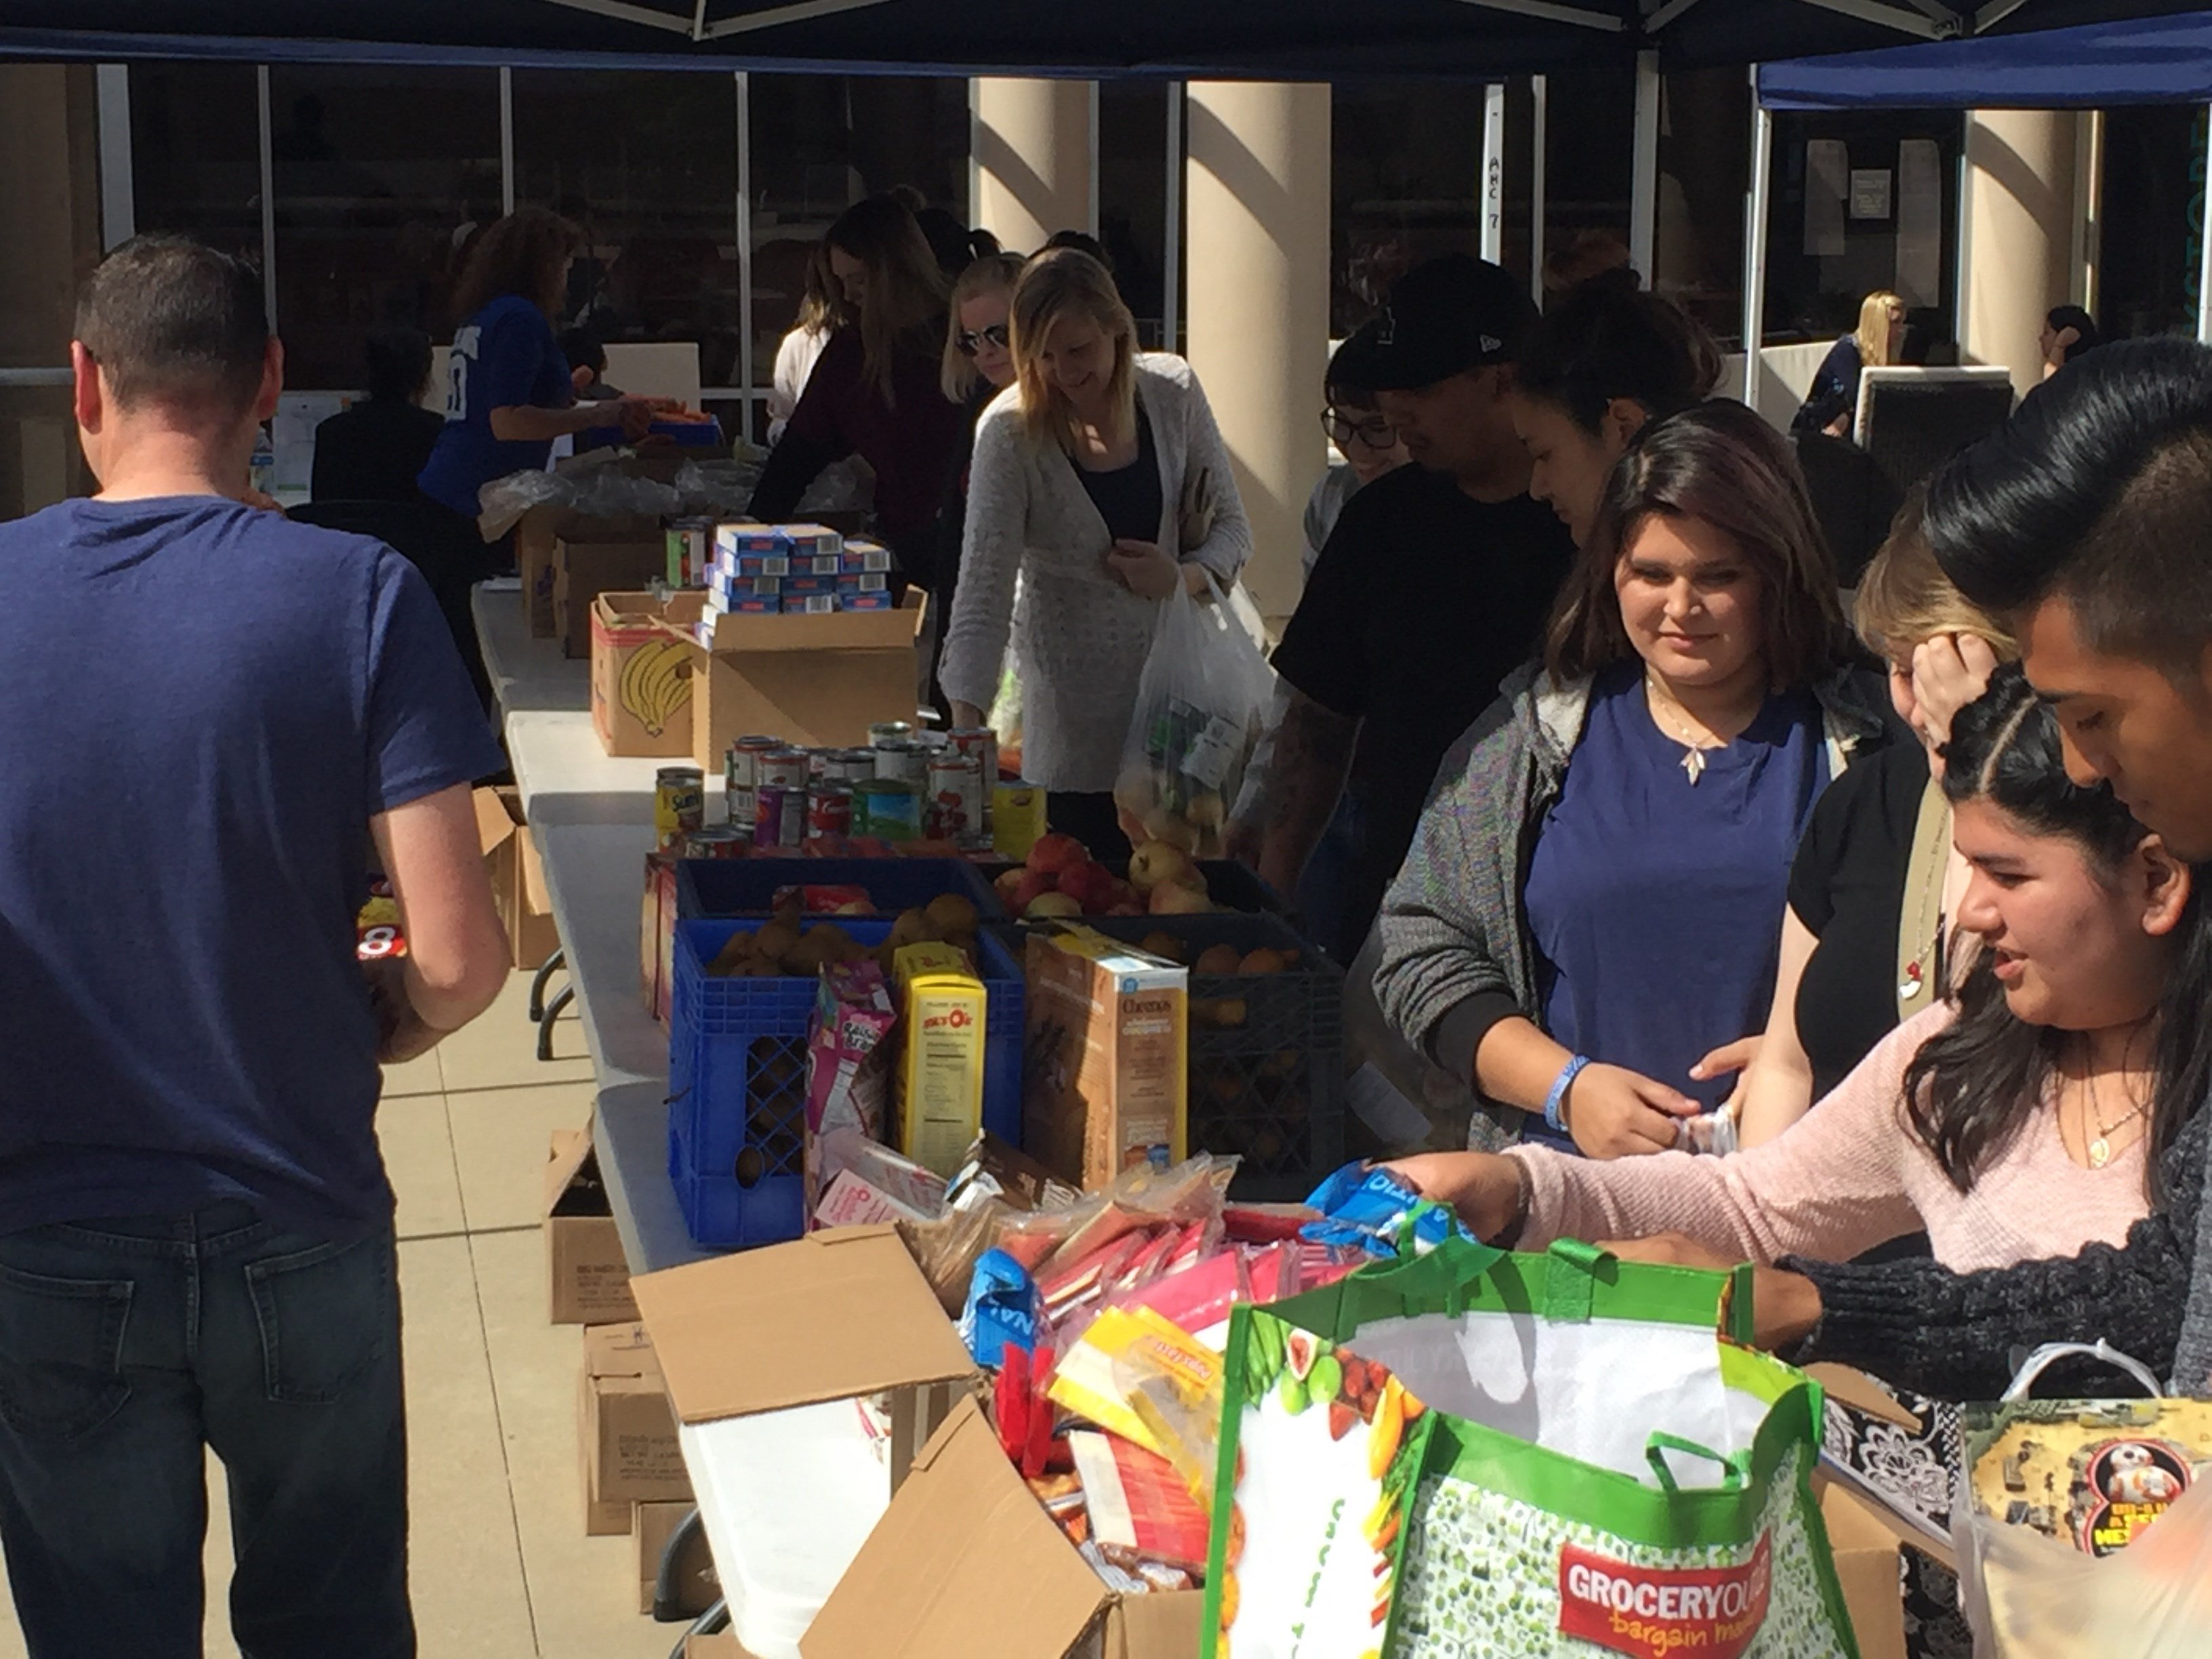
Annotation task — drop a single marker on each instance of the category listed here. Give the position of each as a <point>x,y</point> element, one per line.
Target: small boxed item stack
<point>627,1430</point>
<point>796,570</point>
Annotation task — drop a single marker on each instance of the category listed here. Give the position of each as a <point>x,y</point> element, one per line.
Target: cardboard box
<point>534,537</point>
<point>598,556</point>
<point>768,1356</point>
<point>694,1581</point>
<point>966,1562</point>
<point>641,677</point>
<point>1107,1043</point>
<point>518,877</point>
<point>629,1430</point>
<point>587,1279</point>
<point>818,681</point>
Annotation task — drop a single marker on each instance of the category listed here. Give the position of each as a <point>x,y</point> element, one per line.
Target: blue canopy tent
<point>2162,58</point>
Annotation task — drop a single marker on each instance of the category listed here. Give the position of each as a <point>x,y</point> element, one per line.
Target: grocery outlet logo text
<point>1655,1613</point>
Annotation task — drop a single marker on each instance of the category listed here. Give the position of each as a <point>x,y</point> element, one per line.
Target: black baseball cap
<point>1442,319</point>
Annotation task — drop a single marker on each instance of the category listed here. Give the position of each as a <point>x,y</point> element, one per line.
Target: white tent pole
<point>1644,183</point>
<point>1540,92</point>
<point>1755,240</point>
<point>1493,170</point>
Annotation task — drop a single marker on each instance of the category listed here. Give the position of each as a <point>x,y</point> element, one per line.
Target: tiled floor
<point>500,1566</point>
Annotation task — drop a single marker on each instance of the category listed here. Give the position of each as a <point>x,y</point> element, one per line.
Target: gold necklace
<point>2100,1149</point>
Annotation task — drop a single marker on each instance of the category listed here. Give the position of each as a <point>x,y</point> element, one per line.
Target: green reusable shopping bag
<point>1471,1453</point>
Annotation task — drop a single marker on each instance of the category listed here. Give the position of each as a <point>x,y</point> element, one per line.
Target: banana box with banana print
<point>641,674</point>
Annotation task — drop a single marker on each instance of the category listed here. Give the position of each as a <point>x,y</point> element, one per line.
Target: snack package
<point>865,1183</point>
<point>847,1067</point>
<point>1143,1344</point>
<point>1140,1510</point>
<point>377,933</point>
<point>1003,1310</point>
<point>1374,1211</point>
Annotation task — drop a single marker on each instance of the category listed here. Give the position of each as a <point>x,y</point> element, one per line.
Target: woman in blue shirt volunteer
<point>511,394</point>
<point>1589,905</point>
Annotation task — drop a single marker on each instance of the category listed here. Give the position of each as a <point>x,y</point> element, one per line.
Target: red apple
<point>1051,904</point>
<point>1033,884</point>
<point>1090,885</point>
<point>1173,898</point>
<point>1052,853</point>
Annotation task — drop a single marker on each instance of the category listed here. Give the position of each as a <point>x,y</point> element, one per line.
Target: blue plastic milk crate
<point>747,887</point>
<point>736,1081</point>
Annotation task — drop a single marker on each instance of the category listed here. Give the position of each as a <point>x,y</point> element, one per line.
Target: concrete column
<point>2019,240</point>
<point>1032,166</point>
<point>1259,211</point>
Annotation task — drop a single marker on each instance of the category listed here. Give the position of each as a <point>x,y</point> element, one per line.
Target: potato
<point>912,927</point>
<point>1218,959</point>
<point>774,939</point>
<point>952,913</point>
<point>1265,960</point>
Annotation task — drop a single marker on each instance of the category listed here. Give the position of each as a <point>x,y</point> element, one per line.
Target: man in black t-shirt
<point>1432,587</point>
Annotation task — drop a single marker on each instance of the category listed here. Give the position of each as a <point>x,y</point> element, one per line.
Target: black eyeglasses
<point>967,342</point>
<point>1374,432</point>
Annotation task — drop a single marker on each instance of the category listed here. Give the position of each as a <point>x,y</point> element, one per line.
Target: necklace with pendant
<point>2100,1149</point>
<point>1693,763</point>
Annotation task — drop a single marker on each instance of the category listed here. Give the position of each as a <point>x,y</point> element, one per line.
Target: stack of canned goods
<point>905,785</point>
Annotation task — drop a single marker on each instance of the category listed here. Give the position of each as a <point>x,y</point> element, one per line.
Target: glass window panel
<point>50,179</point>
<point>196,152</point>
<point>1827,247</point>
<point>821,142</point>
<point>1132,161</point>
<point>380,174</point>
<point>648,164</point>
<point>2154,212</point>
<point>1405,180</point>
<point>1705,168</point>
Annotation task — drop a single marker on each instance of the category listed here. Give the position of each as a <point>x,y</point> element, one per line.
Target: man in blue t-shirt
<point>212,720</point>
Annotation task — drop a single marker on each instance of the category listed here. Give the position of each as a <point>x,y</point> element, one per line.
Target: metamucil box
<point>1107,1048</point>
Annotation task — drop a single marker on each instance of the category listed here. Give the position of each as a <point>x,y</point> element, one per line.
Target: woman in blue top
<point>1589,905</point>
<point>1832,403</point>
<point>511,394</point>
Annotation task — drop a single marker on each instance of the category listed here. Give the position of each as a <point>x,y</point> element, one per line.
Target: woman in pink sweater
<point>2021,1119</point>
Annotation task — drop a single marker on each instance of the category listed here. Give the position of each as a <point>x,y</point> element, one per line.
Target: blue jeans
<point>128,1345</point>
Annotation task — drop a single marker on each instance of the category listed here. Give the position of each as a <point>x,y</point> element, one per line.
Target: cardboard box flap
<point>497,819</point>
<point>830,1317</point>
<point>964,1562</point>
<point>1162,1627</point>
<point>619,1351</point>
<point>535,894</point>
<point>573,1183</point>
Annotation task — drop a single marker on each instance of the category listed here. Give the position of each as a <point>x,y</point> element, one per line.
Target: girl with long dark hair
<point>2022,1117</point>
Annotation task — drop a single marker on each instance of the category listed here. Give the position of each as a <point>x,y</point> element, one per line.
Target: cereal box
<point>1106,1052</point>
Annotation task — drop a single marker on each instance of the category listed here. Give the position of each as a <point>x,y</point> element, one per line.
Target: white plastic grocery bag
<point>2059,1554</point>
<point>1473,1454</point>
<point>1199,710</point>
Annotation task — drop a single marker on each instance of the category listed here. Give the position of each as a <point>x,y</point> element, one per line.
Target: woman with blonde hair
<point>1101,480</point>
<point>874,392</point>
<point>1878,342</point>
<point>1875,882</point>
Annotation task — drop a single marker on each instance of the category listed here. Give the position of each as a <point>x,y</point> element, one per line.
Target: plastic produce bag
<point>2084,1526</point>
<point>1200,708</point>
<point>502,503</point>
<point>1475,1454</point>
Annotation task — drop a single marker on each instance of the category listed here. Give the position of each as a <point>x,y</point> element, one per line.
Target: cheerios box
<point>1107,1048</point>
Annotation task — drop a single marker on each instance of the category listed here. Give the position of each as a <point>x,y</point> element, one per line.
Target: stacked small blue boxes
<point>795,569</point>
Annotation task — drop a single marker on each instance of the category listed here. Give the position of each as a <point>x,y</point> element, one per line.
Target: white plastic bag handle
<point>2037,1362</point>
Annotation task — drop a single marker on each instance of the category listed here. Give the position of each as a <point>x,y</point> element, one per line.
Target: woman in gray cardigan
<point>1100,481</point>
<point>1589,905</point>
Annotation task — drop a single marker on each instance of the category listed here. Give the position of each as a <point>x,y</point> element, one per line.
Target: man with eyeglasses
<point>1431,588</point>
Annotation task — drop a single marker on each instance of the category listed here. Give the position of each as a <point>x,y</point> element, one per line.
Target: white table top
<point>592,819</point>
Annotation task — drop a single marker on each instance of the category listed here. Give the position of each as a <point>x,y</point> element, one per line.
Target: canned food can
<point>933,741</point>
<point>981,742</point>
<point>779,816</point>
<point>903,760</point>
<point>888,810</point>
<point>956,797</point>
<point>741,773</point>
<point>787,769</point>
<point>1017,819</point>
<point>851,766</point>
<point>829,812</point>
<point>679,803</point>
<point>884,731</point>
<point>717,840</point>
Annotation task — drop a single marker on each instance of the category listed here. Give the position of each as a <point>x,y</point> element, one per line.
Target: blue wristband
<point>1557,1098</point>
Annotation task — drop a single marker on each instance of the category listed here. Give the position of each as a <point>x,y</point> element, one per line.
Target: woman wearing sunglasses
<point>1100,481</point>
